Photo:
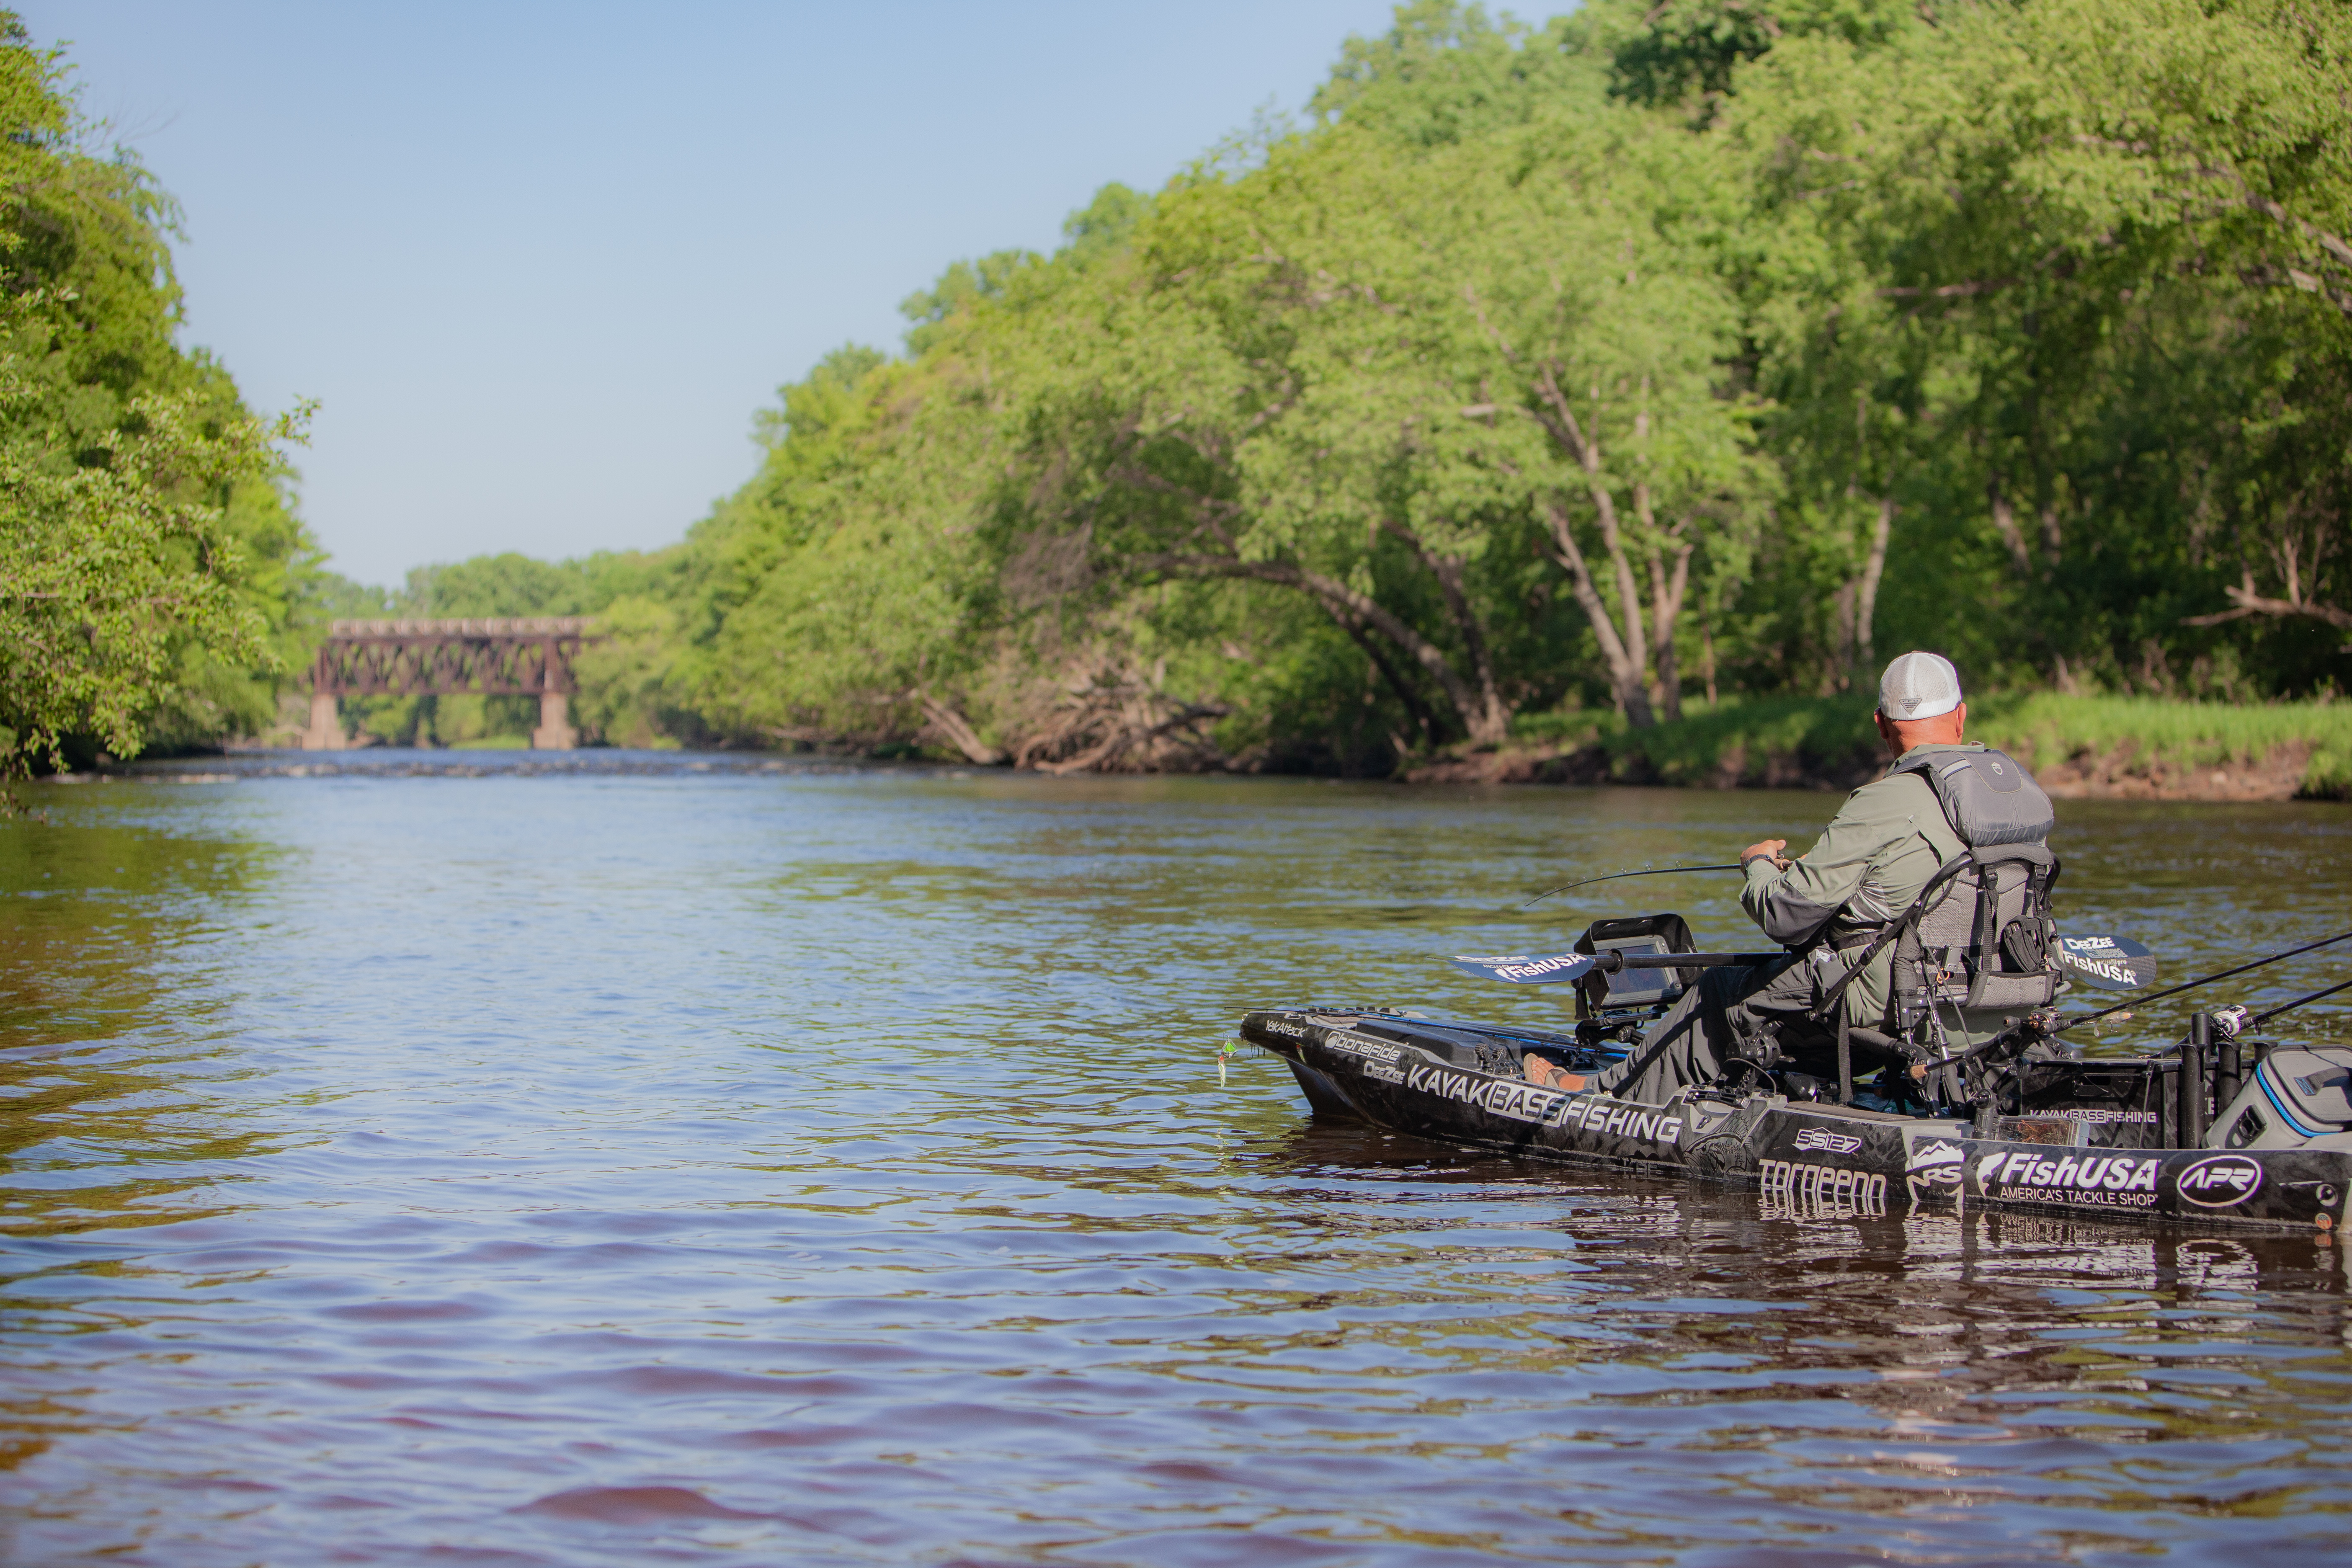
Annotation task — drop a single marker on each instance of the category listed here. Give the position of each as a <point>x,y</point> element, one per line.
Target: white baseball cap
<point>1919,686</point>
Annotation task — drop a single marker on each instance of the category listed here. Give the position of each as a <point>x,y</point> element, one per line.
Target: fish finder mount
<point>1625,995</point>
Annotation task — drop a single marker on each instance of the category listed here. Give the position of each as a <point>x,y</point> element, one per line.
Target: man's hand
<point>1770,850</point>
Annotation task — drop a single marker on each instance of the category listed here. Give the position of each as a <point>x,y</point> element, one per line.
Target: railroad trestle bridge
<point>506,657</point>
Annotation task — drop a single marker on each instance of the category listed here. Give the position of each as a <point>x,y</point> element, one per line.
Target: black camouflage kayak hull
<point>2090,1141</point>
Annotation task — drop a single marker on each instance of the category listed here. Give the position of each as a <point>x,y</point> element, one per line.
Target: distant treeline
<point>1661,354</point>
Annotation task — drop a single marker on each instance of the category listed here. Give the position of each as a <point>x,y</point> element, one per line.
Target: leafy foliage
<point>1658,352</point>
<point>152,575</point>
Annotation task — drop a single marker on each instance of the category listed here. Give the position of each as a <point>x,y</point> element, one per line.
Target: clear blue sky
<point>539,263</point>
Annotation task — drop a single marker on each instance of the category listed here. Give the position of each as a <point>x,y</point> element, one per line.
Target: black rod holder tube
<point>2229,1073</point>
<point>1845,1061</point>
<point>2190,1118</point>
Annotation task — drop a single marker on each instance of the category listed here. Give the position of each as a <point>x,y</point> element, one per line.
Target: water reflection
<point>631,1163</point>
<point>107,1018</point>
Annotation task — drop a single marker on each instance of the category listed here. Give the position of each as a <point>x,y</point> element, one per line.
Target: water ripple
<point>642,1159</point>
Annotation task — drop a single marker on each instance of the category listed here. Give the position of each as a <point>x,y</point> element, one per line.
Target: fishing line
<point>2208,980</point>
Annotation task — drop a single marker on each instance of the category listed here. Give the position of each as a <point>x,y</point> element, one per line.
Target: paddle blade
<point>1520,970</point>
<point>2108,963</point>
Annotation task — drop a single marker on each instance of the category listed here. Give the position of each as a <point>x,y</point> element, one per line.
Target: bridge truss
<point>508,657</point>
<point>505,656</point>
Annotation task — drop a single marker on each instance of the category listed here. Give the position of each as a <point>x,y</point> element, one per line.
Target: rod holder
<point>2229,1072</point>
<point>2189,1119</point>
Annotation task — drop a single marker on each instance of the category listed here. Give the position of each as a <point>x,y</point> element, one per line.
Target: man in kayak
<point>1872,861</point>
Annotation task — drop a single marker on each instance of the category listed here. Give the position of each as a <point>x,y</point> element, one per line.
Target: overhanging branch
<point>1340,602</point>
<point>2250,603</point>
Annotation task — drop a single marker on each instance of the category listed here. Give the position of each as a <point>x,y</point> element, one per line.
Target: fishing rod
<point>2261,1018</point>
<point>2025,1030</point>
<point>2208,980</point>
<point>1614,875</point>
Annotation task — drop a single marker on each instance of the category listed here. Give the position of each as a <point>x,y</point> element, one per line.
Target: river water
<point>635,1159</point>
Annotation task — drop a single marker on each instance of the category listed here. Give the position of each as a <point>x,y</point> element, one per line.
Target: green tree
<point>148,559</point>
<point>2016,328</point>
<point>115,557</point>
<point>2062,255</point>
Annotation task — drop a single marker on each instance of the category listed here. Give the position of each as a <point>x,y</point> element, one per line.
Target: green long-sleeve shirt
<point>1871,861</point>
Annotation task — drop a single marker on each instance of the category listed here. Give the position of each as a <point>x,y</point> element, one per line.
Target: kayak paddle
<point>2107,963</point>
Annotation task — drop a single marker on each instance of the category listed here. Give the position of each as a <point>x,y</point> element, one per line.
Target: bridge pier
<point>326,730</point>
<point>555,734</point>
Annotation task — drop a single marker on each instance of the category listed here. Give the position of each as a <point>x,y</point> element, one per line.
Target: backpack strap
<point>1907,920</point>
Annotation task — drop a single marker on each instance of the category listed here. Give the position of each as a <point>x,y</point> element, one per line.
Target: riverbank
<point>2080,747</point>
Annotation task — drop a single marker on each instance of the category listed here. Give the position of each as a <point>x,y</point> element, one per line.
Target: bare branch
<point>1493,719</point>
<point>1470,293</point>
<point>2250,603</point>
<point>1335,596</point>
<point>959,730</point>
<point>1949,291</point>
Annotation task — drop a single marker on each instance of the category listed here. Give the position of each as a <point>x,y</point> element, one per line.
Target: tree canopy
<point>1653,354</point>
<point>1646,357</point>
<point>152,575</point>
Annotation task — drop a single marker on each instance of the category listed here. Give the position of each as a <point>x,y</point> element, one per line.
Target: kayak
<point>2260,1135</point>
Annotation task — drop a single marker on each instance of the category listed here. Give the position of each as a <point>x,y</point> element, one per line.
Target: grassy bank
<point>2078,745</point>
<point>2046,731</point>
